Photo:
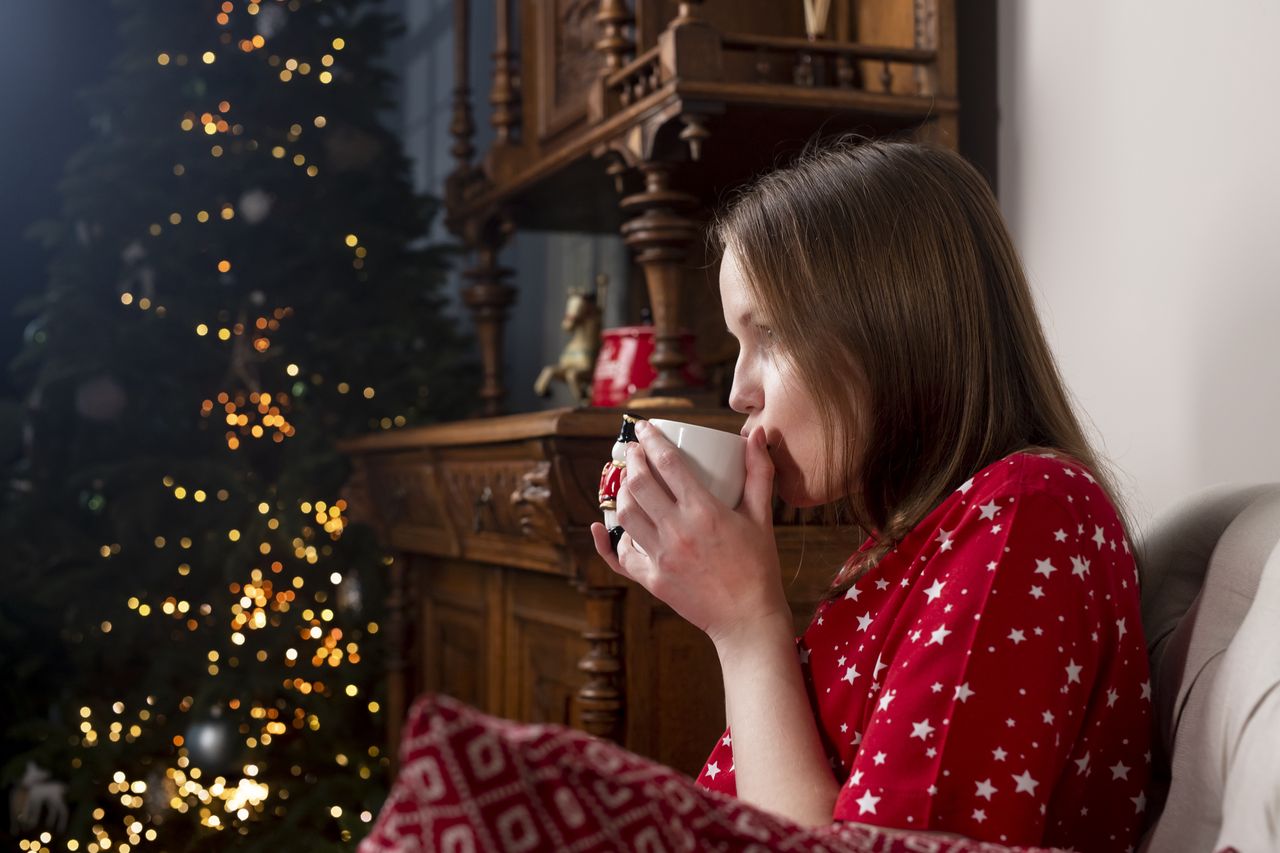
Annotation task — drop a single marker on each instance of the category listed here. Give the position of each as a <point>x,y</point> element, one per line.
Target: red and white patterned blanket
<point>469,781</point>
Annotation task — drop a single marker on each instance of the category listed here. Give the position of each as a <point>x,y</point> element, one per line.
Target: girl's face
<point>768,390</point>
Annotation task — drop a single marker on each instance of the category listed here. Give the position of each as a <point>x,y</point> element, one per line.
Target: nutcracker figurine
<point>611,479</point>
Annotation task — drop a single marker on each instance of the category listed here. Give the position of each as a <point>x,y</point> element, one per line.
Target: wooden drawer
<point>404,488</point>
<point>495,497</point>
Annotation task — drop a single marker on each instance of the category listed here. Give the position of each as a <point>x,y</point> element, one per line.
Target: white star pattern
<point>1024,782</point>
<point>1079,566</point>
<point>1036,583</point>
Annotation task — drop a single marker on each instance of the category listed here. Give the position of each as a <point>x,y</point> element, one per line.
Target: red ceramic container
<point>623,368</point>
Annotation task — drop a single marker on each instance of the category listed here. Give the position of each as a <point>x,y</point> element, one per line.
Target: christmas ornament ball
<point>211,743</point>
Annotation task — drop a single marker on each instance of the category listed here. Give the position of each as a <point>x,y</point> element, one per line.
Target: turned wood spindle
<point>489,296</point>
<point>461,126</point>
<point>614,46</point>
<point>399,655</point>
<point>504,94</point>
<point>660,236</point>
<point>601,698</point>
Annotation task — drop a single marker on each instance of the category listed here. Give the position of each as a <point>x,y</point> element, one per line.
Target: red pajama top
<point>989,677</point>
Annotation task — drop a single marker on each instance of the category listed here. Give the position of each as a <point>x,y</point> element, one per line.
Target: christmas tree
<point>239,279</point>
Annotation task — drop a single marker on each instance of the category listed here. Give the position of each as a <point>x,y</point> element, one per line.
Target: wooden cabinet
<point>500,600</point>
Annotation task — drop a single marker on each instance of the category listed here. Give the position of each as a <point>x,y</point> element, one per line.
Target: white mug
<point>718,458</point>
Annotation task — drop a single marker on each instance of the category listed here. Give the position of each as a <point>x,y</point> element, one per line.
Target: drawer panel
<point>405,489</point>
<point>505,507</point>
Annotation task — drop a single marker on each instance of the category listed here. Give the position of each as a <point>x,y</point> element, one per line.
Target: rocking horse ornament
<point>576,367</point>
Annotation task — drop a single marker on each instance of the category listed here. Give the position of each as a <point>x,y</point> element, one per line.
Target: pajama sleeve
<point>988,682</point>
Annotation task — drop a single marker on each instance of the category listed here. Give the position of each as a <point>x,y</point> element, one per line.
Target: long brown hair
<point>885,269</point>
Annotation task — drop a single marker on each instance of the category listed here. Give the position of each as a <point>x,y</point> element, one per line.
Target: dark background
<point>49,50</point>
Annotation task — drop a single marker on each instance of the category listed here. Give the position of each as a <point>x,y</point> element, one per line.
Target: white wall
<point>1140,174</point>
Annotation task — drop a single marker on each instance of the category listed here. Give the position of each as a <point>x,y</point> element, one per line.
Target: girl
<point>977,668</point>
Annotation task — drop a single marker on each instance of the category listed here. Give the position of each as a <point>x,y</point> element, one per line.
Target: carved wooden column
<point>660,234</point>
<point>612,16</point>
<point>400,633</point>
<point>504,96</point>
<point>489,296</point>
<point>615,49</point>
<point>601,698</point>
<point>461,126</point>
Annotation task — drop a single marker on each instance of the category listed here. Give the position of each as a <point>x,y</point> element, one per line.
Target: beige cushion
<point>1211,611</point>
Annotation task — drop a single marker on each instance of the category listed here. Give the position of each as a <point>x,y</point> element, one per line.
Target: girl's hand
<point>716,567</point>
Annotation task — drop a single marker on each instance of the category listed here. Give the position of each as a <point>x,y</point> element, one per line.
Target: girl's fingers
<point>644,484</point>
<point>757,496</point>
<point>665,460</point>
<point>635,561</point>
<point>632,514</point>
<point>600,537</point>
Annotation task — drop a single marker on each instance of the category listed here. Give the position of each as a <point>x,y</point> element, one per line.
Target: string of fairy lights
<point>272,593</point>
